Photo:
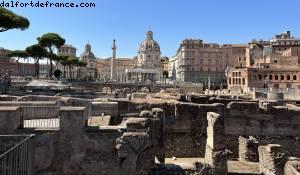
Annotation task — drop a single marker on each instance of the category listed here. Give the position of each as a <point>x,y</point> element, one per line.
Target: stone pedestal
<point>215,154</point>
<point>72,118</point>
<point>10,118</point>
<point>271,159</point>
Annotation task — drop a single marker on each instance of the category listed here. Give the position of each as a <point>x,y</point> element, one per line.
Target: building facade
<point>103,67</point>
<point>148,65</point>
<point>240,56</point>
<point>172,64</point>
<point>275,65</point>
<point>200,62</point>
<point>67,50</point>
<point>246,79</point>
<point>89,58</point>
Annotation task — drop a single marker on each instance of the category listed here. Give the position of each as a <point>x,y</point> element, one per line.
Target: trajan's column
<point>112,68</point>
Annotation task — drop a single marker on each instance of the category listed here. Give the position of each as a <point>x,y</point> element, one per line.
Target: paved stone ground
<point>234,167</point>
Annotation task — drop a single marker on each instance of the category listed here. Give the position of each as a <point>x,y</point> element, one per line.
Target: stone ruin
<point>153,134</point>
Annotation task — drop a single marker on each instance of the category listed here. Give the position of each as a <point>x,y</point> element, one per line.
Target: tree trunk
<point>51,69</point>
<point>51,63</point>
<point>70,73</point>
<point>37,67</point>
<point>64,71</point>
<point>23,70</point>
<point>18,64</point>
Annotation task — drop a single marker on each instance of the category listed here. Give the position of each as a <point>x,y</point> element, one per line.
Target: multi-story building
<point>172,64</point>
<point>275,65</point>
<point>284,41</point>
<point>239,56</point>
<point>66,50</point>
<point>245,79</point>
<point>200,62</point>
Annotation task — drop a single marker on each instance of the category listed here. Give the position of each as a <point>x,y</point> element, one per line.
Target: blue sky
<point>219,21</point>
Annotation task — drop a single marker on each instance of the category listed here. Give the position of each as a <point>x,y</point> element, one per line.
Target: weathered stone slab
<point>108,108</point>
<point>271,159</point>
<point>40,112</point>
<point>72,118</point>
<point>10,118</point>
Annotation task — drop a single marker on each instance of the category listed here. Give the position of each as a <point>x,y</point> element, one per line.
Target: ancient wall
<point>278,125</point>
<point>185,134</point>
<point>141,132</point>
<point>76,148</point>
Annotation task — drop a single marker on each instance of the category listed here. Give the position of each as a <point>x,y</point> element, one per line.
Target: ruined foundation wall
<point>186,131</point>
<point>278,125</point>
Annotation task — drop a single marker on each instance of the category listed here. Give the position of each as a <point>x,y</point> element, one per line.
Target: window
<point>275,61</point>
<point>294,77</point>
<point>201,61</point>
<point>209,61</point>
<point>276,77</point>
<point>270,77</point>
<point>229,81</point>
<point>243,81</point>
<point>282,77</point>
<point>259,77</point>
<point>288,77</point>
<point>201,54</point>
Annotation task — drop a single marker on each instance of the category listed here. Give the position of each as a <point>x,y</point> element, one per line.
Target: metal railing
<point>52,123</point>
<point>18,159</point>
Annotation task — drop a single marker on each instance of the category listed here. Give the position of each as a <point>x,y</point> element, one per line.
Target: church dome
<point>87,54</point>
<point>149,44</point>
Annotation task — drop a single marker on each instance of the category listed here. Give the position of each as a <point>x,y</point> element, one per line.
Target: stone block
<point>10,118</point>
<point>292,167</point>
<point>108,108</point>
<point>39,112</point>
<point>139,95</point>
<point>241,108</point>
<point>271,159</point>
<point>72,118</point>
<point>248,149</point>
<point>137,123</point>
<point>215,154</point>
<point>146,114</point>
